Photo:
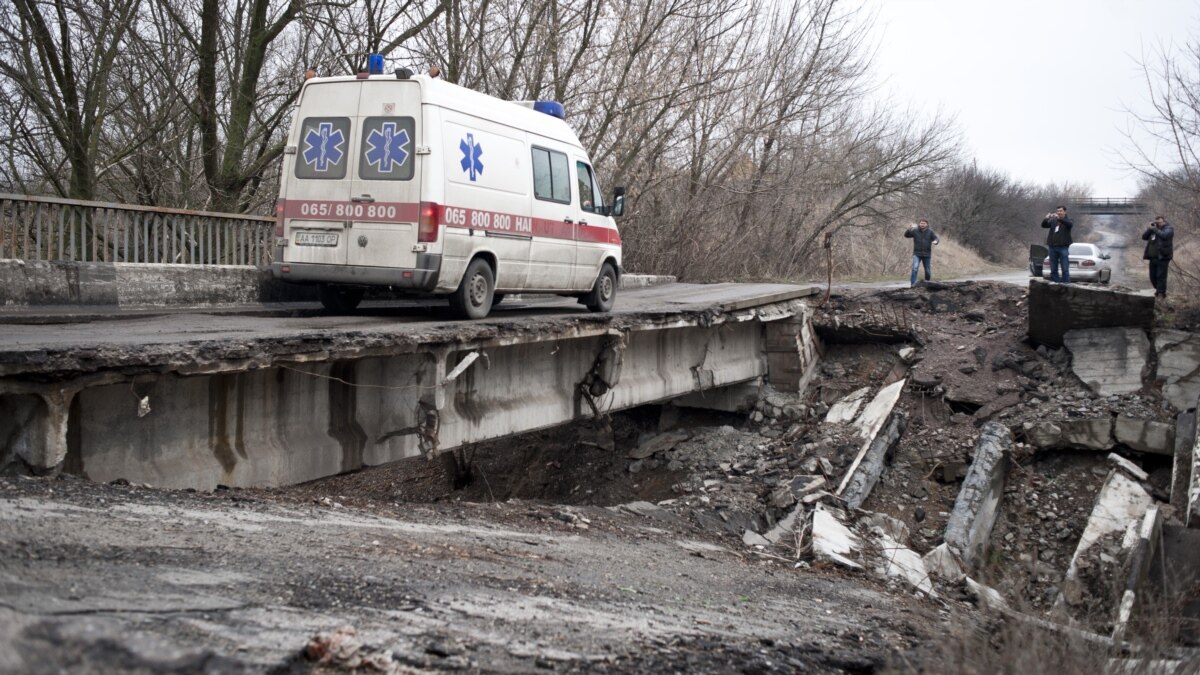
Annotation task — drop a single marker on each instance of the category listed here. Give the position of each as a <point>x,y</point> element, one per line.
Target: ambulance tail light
<point>427,222</point>
<point>279,220</point>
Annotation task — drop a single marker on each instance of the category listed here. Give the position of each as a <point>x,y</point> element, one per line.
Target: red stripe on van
<point>449,216</point>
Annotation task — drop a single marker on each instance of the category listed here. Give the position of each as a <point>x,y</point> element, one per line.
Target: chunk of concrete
<point>870,422</point>
<point>974,513</point>
<point>1055,309</point>
<point>866,475</point>
<point>847,408</point>
<point>903,563</point>
<point>986,596</point>
<point>1138,566</point>
<point>995,406</point>
<point>658,443</point>
<point>752,538</point>
<point>1119,506</point>
<point>1132,470</point>
<point>1192,516</point>
<point>1178,367</point>
<point>1109,360</point>
<point>1091,434</point>
<point>832,540</point>
<point>1150,436</point>
<point>942,562</point>
<point>1181,465</point>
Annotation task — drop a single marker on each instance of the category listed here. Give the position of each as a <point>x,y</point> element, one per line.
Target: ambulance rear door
<point>386,187</point>
<point>317,187</point>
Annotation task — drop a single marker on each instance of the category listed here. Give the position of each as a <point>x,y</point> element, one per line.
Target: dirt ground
<point>608,545</point>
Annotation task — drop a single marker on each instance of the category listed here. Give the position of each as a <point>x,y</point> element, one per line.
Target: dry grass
<point>871,258</point>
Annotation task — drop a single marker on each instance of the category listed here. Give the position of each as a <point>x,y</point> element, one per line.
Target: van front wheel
<point>604,292</point>
<point>340,299</point>
<point>473,299</point>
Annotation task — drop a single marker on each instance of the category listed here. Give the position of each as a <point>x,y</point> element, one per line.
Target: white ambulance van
<point>420,185</point>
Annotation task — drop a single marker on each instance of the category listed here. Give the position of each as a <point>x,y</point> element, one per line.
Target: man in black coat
<point>924,240</point>
<point>1058,240</point>
<point>1160,248</point>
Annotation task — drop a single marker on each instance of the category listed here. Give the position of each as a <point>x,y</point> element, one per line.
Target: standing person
<point>1160,247</point>
<point>924,239</point>
<point>1059,243</point>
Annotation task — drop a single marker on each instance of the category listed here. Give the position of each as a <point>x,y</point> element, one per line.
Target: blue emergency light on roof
<point>375,64</point>
<point>551,108</point>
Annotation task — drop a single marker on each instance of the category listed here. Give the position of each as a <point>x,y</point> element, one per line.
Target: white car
<point>1087,263</point>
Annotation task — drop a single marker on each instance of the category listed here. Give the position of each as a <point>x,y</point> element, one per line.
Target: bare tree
<point>58,56</point>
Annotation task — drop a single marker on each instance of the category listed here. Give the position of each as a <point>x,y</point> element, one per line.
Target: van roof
<point>468,101</point>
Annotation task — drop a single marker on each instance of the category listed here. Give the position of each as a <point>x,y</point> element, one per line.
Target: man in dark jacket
<point>924,240</point>
<point>1059,242</point>
<point>1160,248</point>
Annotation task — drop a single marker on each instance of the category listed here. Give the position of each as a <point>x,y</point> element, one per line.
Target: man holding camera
<point>1160,247</point>
<point>1058,240</point>
<point>924,240</point>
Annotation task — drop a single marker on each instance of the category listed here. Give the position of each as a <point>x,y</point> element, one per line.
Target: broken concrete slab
<point>1192,516</point>
<point>1133,470</point>
<point>1178,367</point>
<point>870,422</point>
<point>832,540</point>
<point>1138,566</point>
<point>986,596</point>
<point>870,469</point>
<point>1109,360</point>
<point>847,408</point>
<point>995,406</point>
<point>1055,309</point>
<point>1145,435</point>
<point>752,538</point>
<point>970,524</point>
<point>658,443</point>
<point>1121,504</point>
<point>785,527</point>
<point>942,562</point>
<point>902,562</point>
<point>1091,434</point>
<point>1181,465</point>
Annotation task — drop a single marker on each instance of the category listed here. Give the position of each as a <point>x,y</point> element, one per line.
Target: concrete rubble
<point>1056,309</point>
<point>1109,360</point>
<point>974,513</point>
<point>1102,434</point>
<point>1178,356</point>
<point>1121,505</point>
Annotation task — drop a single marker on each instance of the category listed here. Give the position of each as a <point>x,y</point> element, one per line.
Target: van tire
<point>340,299</point>
<point>473,299</point>
<point>604,291</point>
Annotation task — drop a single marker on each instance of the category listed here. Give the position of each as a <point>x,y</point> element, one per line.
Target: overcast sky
<point>1039,87</point>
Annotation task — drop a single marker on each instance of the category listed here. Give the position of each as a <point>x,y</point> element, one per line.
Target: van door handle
<point>582,221</point>
<point>364,198</point>
<point>569,219</point>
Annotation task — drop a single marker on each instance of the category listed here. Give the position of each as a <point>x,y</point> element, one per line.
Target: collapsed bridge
<point>196,400</point>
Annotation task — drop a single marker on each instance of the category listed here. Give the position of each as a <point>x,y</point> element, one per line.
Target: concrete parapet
<point>1055,309</point>
<point>25,284</point>
<point>974,513</point>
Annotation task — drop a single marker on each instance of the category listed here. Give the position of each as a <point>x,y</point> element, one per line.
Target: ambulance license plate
<point>316,239</point>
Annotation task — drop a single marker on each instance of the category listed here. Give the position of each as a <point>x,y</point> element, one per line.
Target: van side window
<point>387,148</point>
<point>323,150</point>
<point>590,197</point>
<point>551,180</point>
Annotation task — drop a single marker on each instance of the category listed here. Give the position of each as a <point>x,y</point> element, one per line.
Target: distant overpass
<point>1109,206</point>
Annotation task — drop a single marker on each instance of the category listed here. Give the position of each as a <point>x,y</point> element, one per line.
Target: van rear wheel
<point>340,299</point>
<point>473,299</point>
<point>604,292</point>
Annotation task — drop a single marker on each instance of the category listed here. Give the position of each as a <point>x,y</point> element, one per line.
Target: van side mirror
<point>618,202</point>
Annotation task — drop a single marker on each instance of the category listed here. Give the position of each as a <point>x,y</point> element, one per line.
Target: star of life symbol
<point>471,151</point>
<point>387,151</point>
<point>323,147</point>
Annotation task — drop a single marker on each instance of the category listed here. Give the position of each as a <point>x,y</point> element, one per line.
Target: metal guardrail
<point>50,228</point>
